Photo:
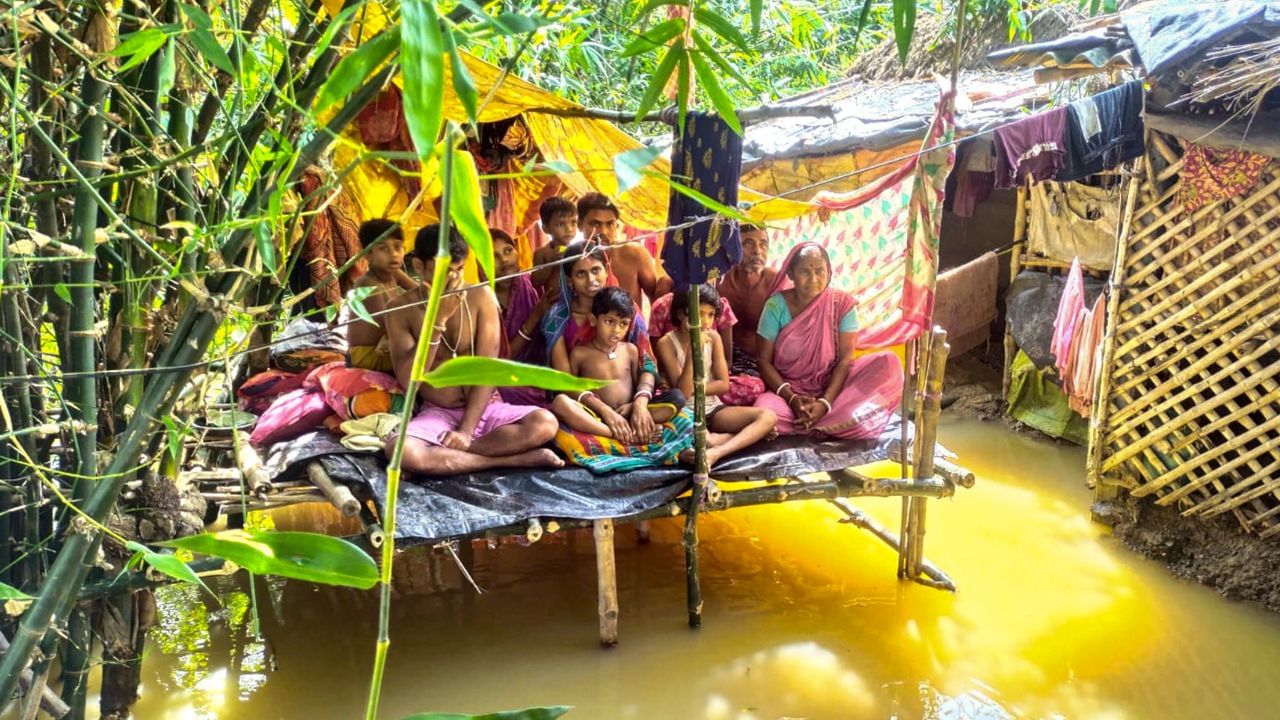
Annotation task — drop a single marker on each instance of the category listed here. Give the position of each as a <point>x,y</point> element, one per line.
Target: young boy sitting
<point>560,223</point>
<point>625,409</point>
<point>732,428</point>
<point>367,342</point>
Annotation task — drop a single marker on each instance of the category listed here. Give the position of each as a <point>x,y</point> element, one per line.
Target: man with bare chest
<point>631,264</point>
<point>460,429</point>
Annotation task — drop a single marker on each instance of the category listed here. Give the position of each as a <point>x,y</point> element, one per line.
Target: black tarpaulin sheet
<point>1031,305</point>
<point>1168,33</point>
<point>432,509</point>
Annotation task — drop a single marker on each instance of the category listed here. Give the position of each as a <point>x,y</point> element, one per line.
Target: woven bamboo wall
<point>1190,396</point>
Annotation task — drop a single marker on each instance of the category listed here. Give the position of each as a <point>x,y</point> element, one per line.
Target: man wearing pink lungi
<point>808,332</point>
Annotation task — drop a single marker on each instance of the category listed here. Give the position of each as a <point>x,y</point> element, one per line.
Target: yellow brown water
<point>804,619</point>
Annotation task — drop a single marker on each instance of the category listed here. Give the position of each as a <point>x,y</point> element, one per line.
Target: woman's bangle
<point>583,394</point>
<point>824,401</point>
<point>646,393</point>
<point>523,334</point>
<point>782,387</point>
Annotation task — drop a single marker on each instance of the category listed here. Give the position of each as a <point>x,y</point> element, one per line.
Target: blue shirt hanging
<point>707,158</point>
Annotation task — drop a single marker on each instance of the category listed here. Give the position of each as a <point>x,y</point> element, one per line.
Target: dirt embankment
<point>1213,552</point>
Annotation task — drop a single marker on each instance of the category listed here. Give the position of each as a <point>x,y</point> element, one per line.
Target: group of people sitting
<point>777,350</point>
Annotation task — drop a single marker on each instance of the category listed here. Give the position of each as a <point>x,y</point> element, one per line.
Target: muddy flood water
<point>804,618</point>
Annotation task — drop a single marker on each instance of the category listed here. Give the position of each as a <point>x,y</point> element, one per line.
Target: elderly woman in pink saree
<point>808,332</point>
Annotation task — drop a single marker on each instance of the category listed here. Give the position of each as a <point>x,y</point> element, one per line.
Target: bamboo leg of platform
<point>856,517</point>
<point>338,495</point>
<point>256,477</point>
<point>701,478</point>
<point>930,407</point>
<point>606,582</point>
<point>903,456</point>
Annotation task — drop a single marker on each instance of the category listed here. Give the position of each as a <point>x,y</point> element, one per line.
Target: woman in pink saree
<point>808,332</point>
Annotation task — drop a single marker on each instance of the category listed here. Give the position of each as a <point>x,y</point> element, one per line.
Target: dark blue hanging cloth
<point>707,158</point>
<point>1103,131</point>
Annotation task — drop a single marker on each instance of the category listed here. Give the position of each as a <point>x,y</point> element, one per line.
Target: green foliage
<point>904,26</point>
<point>9,592</point>
<point>311,557</point>
<point>465,208</point>
<point>537,713</point>
<point>356,67</point>
<point>497,372</point>
<point>629,166</point>
<point>463,86</point>
<point>422,65</point>
<point>169,565</point>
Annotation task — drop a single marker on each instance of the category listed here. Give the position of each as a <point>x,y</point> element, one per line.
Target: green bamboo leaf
<point>629,166</point>
<point>9,592</point>
<point>496,372</point>
<point>862,20</point>
<point>166,564</point>
<point>538,713</point>
<point>422,66</point>
<point>356,301</point>
<point>339,22</point>
<point>505,23</point>
<point>722,27</point>
<point>711,84</point>
<point>352,70</point>
<point>707,202</point>
<point>139,46</point>
<point>654,37</point>
<point>652,5</point>
<point>266,245</point>
<point>466,210</point>
<point>904,26</point>
<point>211,49</point>
<point>63,292</point>
<point>757,9</point>
<point>198,17</point>
<point>463,85</point>
<point>682,89</point>
<point>311,557</point>
<point>659,80</point>
<point>705,48</point>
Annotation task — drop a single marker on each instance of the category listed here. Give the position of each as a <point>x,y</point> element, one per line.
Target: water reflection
<point>804,618</point>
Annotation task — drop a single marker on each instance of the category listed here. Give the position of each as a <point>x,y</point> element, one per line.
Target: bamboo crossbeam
<point>371,527</point>
<point>533,530</point>
<point>339,495</point>
<point>859,519</point>
<point>256,476</point>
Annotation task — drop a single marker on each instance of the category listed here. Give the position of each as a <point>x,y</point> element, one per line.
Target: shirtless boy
<point>625,409</point>
<point>632,264</point>
<point>384,245</point>
<point>460,429</point>
<point>560,223</point>
<point>732,428</point>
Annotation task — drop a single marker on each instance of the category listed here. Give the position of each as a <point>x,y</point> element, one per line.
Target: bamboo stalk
<point>859,519</point>
<point>700,470</point>
<point>49,700</point>
<point>339,496</point>
<point>930,407</point>
<point>1015,266</point>
<point>257,479</point>
<point>372,530</point>
<point>534,532</point>
<point>606,582</point>
<point>76,652</point>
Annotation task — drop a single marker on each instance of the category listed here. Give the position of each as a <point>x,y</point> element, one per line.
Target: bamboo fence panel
<point>1190,410</point>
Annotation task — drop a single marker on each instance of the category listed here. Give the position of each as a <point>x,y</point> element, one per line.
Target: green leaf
<point>537,713</point>
<point>166,564</point>
<point>63,292</point>
<point>339,22</point>
<point>211,49</point>
<point>352,70</point>
<point>757,9</point>
<point>422,67</point>
<point>654,37</point>
<point>682,89</point>
<point>722,27</point>
<point>174,433</point>
<point>705,48</point>
<point>9,592</point>
<point>356,301</point>
<point>862,20</point>
<point>707,202</point>
<point>629,166</point>
<point>513,23</point>
<point>659,80</point>
<point>496,372</point>
<point>711,84</point>
<point>266,245</point>
<point>652,5</point>
<point>330,313</point>
<point>299,555</point>
<point>463,85</point>
<point>904,26</point>
<point>139,46</point>
<point>467,212</point>
<point>199,18</point>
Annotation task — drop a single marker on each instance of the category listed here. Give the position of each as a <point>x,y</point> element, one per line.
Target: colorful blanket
<point>603,455</point>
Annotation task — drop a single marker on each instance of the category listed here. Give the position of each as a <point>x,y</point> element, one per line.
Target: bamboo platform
<point>1187,409</point>
<point>234,490</point>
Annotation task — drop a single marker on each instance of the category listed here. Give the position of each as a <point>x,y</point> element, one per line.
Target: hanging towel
<point>1211,174</point>
<point>1069,309</point>
<point>1103,131</point>
<point>975,175</point>
<point>707,158</point>
<point>965,302</point>
<point>1031,148</point>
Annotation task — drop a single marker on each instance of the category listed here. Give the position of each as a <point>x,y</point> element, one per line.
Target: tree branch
<point>668,115</point>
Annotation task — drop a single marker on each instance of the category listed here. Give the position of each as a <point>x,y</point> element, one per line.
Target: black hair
<point>588,250</point>
<point>595,201</point>
<point>613,300</point>
<point>371,230</point>
<point>427,244</point>
<point>707,295</point>
<point>499,234</point>
<point>553,207</point>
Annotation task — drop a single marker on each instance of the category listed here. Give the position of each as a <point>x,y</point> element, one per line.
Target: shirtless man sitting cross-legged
<point>460,429</point>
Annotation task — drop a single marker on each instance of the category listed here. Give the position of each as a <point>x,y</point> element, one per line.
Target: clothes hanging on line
<point>1103,131</point>
<point>1072,220</point>
<point>1211,174</point>
<point>1031,148</point>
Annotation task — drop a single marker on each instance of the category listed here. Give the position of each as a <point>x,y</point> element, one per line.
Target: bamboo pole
<point>700,471</point>
<point>859,519</point>
<point>606,582</point>
<point>372,530</point>
<point>1015,267</point>
<point>257,479</point>
<point>76,652</point>
<point>930,407</point>
<point>339,496</point>
<point>534,532</point>
<point>49,700</point>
